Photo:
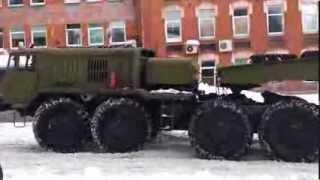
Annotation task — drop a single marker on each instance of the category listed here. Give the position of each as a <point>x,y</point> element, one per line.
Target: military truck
<point>121,98</point>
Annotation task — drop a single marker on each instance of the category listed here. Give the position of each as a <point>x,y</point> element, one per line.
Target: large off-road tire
<point>60,125</point>
<point>120,125</point>
<point>220,129</point>
<point>289,131</point>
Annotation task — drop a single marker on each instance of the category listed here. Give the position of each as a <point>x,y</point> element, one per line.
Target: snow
<point>256,96</point>
<point>168,157</point>
<point>213,89</point>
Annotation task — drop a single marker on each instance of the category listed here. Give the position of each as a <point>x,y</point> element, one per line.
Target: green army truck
<point>121,98</point>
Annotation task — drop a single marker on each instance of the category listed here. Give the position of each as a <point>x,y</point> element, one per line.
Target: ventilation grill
<point>97,69</point>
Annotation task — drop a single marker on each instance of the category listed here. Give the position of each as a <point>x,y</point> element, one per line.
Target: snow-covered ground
<point>169,157</point>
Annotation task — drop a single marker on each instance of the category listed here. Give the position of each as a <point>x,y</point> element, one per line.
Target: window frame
<point>15,5</point>
<point>67,35</point>
<point>37,3</point>
<point>240,58</point>
<point>112,26</point>
<point>1,35</point>
<point>234,18</point>
<point>89,36</point>
<point>178,21</point>
<point>213,68</point>
<point>39,31</point>
<point>72,1</point>
<point>213,19</point>
<point>17,32</point>
<point>282,14</point>
<point>304,30</point>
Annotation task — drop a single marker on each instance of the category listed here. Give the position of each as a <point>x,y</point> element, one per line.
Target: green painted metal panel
<point>167,71</point>
<point>18,87</point>
<point>299,69</point>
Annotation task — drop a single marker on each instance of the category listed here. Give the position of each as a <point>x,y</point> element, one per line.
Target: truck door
<point>19,82</point>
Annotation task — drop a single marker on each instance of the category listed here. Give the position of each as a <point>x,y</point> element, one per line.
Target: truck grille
<point>97,69</point>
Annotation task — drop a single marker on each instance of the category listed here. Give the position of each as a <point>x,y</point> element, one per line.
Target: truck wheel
<point>120,125</point>
<point>220,129</point>
<point>289,131</point>
<point>60,125</point>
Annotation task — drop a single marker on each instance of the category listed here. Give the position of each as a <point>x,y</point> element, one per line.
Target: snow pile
<point>208,89</point>
<point>169,91</point>
<point>256,96</point>
<point>311,98</point>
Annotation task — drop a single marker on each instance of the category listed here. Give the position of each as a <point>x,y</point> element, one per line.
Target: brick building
<point>225,31</point>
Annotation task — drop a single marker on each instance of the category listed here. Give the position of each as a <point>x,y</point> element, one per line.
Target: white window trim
<point>173,40</point>
<point>89,37</point>
<point>39,31</point>
<point>248,25</point>
<point>214,27</point>
<point>91,1</point>
<point>72,1</point>
<point>166,22</point>
<point>17,32</point>
<point>67,37</point>
<point>111,27</point>
<point>304,30</point>
<point>277,51</point>
<point>14,5</point>
<point>282,19</point>
<point>37,4</point>
<point>310,48</point>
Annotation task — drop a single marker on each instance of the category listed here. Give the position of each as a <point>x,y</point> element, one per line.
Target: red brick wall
<point>144,23</point>
<point>55,14</point>
<point>293,38</point>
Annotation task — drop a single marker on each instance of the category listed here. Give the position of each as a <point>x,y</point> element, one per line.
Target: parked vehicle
<point>120,98</point>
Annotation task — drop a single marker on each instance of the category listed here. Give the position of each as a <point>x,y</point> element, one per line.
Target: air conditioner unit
<point>225,45</point>
<point>192,46</point>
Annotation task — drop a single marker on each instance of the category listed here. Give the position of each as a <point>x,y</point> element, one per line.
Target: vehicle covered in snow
<point>120,98</point>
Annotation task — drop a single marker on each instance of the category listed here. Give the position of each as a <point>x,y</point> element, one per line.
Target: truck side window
<point>21,62</point>
<point>12,62</point>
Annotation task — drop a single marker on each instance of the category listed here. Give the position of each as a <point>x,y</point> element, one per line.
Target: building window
<point>207,70</point>
<point>240,22</point>
<point>71,1</point>
<point>17,38</point>
<point>1,38</point>
<point>13,3</point>
<point>275,19</point>
<point>310,17</point>
<point>206,23</point>
<point>240,61</point>
<point>37,2</point>
<point>173,26</point>
<point>73,35</point>
<point>95,35</point>
<point>117,32</point>
<point>39,36</point>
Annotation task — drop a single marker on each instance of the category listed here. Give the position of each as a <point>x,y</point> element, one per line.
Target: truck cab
<point>19,79</point>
